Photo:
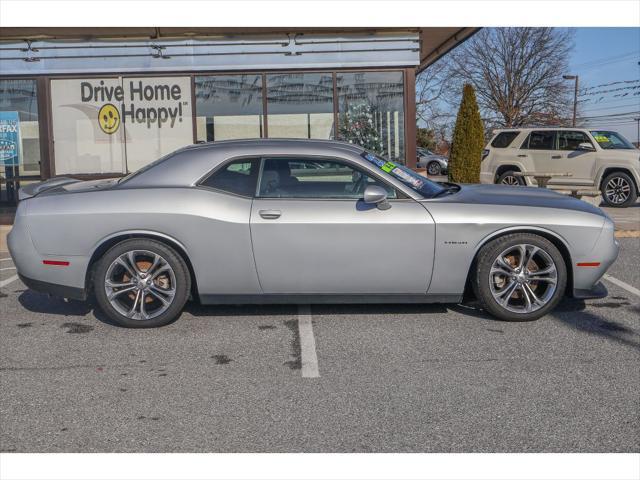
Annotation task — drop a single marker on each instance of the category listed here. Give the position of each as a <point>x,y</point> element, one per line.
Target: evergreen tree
<point>468,141</point>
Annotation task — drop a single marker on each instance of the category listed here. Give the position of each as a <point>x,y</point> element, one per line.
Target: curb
<point>627,233</point>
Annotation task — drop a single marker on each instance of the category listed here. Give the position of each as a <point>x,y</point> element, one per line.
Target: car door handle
<point>556,156</point>
<point>522,155</point>
<point>270,214</point>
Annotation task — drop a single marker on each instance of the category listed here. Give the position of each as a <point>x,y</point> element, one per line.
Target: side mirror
<point>376,195</point>
<point>587,147</point>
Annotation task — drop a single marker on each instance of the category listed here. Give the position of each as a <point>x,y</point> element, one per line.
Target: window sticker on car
<point>375,160</point>
<point>601,139</point>
<point>387,167</point>
<point>407,178</point>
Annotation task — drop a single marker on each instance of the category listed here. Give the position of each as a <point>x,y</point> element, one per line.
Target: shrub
<point>468,141</point>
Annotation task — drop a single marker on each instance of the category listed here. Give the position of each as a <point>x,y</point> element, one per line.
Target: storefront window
<point>19,136</point>
<point>228,107</point>
<point>371,111</point>
<point>81,142</point>
<point>300,105</point>
<point>19,114</point>
<point>118,125</point>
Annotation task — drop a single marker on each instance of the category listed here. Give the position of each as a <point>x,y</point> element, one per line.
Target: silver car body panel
<point>477,214</point>
<point>345,250</point>
<point>342,247</point>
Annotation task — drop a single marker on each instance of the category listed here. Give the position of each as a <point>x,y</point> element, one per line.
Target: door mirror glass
<point>376,195</point>
<point>586,146</point>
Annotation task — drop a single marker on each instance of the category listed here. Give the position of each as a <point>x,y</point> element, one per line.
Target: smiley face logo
<point>109,118</point>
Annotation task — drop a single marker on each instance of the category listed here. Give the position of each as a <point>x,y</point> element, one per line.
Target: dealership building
<point>102,102</point>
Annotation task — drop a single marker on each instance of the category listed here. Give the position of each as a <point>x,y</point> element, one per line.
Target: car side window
<point>569,140</point>
<point>238,177</point>
<point>541,140</point>
<point>315,178</point>
<point>504,139</point>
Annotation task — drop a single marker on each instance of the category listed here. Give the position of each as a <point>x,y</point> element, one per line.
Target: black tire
<point>482,278</point>
<point>508,178</point>
<point>177,265</point>
<point>619,190</point>
<point>434,168</point>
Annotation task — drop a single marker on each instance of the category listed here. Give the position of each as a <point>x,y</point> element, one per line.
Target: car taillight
<point>485,152</point>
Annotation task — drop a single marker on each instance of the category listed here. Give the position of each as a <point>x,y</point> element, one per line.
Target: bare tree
<point>431,90</point>
<point>433,111</point>
<point>517,74</point>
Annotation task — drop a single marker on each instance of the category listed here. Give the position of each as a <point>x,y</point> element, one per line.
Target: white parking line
<point>9,280</point>
<point>7,268</point>
<point>622,284</point>
<point>8,259</point>
<point>308,356</point>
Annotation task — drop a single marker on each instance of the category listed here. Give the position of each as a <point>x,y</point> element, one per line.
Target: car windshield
<point>611,140</point>
<point>411,179</point>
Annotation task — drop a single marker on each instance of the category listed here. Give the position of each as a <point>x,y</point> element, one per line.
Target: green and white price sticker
<point>387,167</point>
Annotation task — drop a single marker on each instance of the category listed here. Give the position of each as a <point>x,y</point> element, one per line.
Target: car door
<point>313,234</point>
<point>568,158</point>
<point>536,151</point>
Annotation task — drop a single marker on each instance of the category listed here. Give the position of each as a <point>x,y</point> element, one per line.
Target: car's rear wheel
<point>141,283</point>
<point>434,168</point>
<point>509,178</point>
<point>519,277</point>
<point>619,190</point>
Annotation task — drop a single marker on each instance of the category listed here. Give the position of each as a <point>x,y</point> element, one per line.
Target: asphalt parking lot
<point>334,378</point>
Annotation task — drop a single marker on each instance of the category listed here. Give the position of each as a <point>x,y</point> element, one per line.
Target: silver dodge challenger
<point>303,221</point>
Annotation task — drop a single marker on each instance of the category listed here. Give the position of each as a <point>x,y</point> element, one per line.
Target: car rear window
<point>504,139</point>
<point>238,177</point>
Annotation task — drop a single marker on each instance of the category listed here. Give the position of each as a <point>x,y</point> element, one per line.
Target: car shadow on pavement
<point>37,302</point>
<point>199,310</point>
<point>42,303</point>
<point>571,312</point>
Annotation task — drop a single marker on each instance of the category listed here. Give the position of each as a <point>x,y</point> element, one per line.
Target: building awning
<point>434,42</point>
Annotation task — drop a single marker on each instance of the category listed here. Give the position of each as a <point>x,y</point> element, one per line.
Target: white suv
<point>602,160</point>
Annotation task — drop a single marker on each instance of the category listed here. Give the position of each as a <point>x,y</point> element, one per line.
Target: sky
<point>602,56</point>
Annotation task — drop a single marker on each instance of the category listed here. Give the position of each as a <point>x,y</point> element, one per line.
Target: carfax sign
<point>9,139</point>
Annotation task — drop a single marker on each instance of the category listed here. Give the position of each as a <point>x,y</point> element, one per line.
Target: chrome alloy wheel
<point>140,284</point>
<point>510,180</point>
<point>523,278</point>
<point>617,190</point>
<point>433,168</point>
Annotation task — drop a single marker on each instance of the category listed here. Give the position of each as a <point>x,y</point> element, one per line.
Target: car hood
<point>518,196</point>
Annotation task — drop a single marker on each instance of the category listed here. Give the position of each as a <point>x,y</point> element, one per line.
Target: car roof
<point>187,165</point>
<point>528,129</point>
<point>285,142</point>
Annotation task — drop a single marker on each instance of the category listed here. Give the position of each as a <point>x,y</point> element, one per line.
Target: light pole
<point>575,96</point>
<point>637,120</point>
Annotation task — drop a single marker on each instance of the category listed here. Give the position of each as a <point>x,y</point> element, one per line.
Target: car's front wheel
<point>141,283</point>
<point>519,277</point>
<point>619,190</point>
<point>434,168</point>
